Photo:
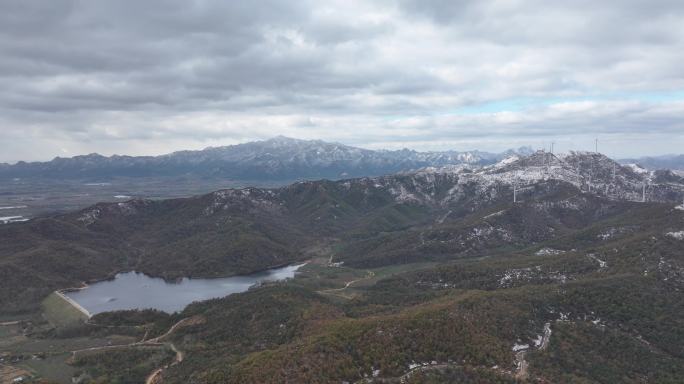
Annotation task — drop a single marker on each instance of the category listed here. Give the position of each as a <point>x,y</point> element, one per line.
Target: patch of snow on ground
<point>549,251</point>
<point>12,219</point>
<point>607,234</point>
<point>127,208</point>
<point>499,213</point>
<point>520,347</point>
<point>481,232</point>
<point>122,197</point>
<point>538,340</point>
<point>637,168</point>
<point>680,207</point>
<point>602,264</point>
<point>512,275</point>
<point>612,232</point>
<point>547,336</point>
<point>402,195</point>
<point>441,219</point>
<point>90,216</point>
<point>14,207</point>
<point>508,160</point>
<point>677,235</point>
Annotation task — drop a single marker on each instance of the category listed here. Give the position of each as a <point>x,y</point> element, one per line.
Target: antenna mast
<point>643,193</point>
<point>514,191</point>
<point>596,144</point>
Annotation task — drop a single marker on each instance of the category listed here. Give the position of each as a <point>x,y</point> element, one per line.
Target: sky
<point>151,77</point>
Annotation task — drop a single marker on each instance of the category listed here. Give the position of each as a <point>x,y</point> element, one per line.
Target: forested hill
<point>242,230</point>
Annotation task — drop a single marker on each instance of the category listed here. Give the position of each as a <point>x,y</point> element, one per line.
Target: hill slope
<point>433,214</point>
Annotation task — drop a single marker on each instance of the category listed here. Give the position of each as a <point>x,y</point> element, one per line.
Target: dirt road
<point>154,377</point>
<point>369,274</point>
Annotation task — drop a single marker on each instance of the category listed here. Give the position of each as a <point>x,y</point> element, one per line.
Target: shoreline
<point>112,276</point>
<point>62,292</point>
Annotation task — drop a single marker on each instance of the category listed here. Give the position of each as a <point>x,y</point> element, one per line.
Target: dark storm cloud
<point>154,76</point>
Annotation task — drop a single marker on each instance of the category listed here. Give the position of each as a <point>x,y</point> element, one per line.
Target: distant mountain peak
<point>674,162</point>
<point>278,159</point>
<point>280,139</point>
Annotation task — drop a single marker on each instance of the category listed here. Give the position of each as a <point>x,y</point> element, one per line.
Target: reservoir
<point>133,290</point>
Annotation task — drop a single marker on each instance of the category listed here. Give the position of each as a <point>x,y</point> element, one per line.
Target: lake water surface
<point>133,290</point>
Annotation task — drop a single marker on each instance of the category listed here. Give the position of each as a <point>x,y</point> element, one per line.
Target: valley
<point>432,276</point>
<point>33,197</point>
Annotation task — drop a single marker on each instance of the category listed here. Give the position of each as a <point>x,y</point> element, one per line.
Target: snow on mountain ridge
<point>455,186</point>
<point>588,171</point>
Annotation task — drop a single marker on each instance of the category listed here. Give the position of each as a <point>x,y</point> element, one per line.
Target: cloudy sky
<point>150,77</point>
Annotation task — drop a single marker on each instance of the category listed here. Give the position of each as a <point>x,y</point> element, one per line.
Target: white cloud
<point>151,77</point>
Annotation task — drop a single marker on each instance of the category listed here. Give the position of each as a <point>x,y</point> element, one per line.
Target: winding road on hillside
<point>155,376</point>
<point>369,274</point>
<point>522,365</point>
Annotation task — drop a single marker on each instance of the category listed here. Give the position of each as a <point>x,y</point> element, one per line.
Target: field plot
<point>10,334</point>
<point>10,373</point>
<point>53,368</point>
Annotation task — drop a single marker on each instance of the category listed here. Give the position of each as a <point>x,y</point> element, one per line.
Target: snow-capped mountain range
<point>589,172</point>
<point>541,178</point>
<point>410,175</point>
<point>277,159</point>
